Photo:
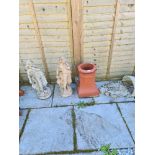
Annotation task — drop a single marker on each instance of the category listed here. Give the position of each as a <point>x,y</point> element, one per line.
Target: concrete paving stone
<point>128,112</point>
<point>58,100</point>
<point>30,100</point>
<point>47,130</point>
<point>22,118</point>
<point>101,125</point>
<point>107,99</point>
<point>90,153</point>
<point>120,152</point>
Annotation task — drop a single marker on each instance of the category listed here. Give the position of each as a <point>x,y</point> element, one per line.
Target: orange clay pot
<point>20,113</point>
<point>87,85</point>
<point>21,92</point>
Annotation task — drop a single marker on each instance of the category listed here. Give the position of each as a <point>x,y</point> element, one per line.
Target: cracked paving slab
<point>128,112</point>
<point>102,98</point>
<point>30,100</point>
<point>100,125</point>
<point>47,130</point>
<point>58,100</point>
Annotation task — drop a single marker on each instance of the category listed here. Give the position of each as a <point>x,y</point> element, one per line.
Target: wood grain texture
<point>76,22</point>
<point>35,22</point>
<point>81,31</point>
<point>113,38</point>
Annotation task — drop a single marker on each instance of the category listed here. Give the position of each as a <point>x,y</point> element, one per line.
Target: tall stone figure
<point>63,76</point>
<point>37,79</point>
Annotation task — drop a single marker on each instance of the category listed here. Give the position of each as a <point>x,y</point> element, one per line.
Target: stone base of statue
<point>67,92</point>
<point>44,94</point>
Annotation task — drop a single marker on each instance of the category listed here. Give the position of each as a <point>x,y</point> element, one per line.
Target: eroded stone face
<point>64,78</point>
<point>100,125</point>
<point>37,79</point>
<point>47,130</point>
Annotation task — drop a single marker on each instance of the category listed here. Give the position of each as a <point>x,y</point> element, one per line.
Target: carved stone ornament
<point>37,79</point>
<point>64,79</point>
<point>130,80</point>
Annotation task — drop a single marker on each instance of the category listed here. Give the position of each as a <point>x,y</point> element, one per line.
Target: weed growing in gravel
<point>106,150</point>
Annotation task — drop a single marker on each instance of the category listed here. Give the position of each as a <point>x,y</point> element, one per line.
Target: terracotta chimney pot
<point>87,85</point>
<point>21,92</point>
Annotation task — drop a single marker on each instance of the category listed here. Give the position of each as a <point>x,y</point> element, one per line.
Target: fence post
<point>76,9</point>
<point>113,38</point>
<point>37,32</point>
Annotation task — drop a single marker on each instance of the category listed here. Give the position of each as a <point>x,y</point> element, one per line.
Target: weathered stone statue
<point>63,76</point>
<point>37,79</point>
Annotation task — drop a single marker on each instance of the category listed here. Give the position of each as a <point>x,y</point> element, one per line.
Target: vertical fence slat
<point>133,72</point>
<point>113,38</point>
<point>76,25</point>
<point>70,35</point>
<point>38,35</point>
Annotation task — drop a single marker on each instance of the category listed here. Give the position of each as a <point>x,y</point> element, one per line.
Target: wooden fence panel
<point>123,52</point>
<point>95,31</point>
<point>45,34</point>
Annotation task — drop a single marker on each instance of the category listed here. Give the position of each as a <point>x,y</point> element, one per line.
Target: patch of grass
<point>69,152</point>
<point>23,127</point>
<point>106,150</point>
<point>74,128</point>
<point>82,104</point>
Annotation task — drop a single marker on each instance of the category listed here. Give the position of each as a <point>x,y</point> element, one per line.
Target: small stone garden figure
<point>37,79</point>
<point>63,76</point>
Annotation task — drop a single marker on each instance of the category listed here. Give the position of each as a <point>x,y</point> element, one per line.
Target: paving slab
<point>47,130</point>
<point>58,100</point>
<point>101,125</point>
<point>120,152</point>
<point>90,153</point>
<point>128,112</point>
<point>102,98</point>
<point>30,99</point>
<point>22,118</point>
